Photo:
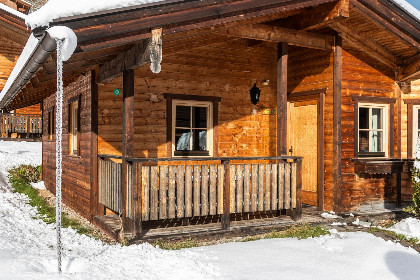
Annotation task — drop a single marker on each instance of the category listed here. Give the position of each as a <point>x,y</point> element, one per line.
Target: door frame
<point>319,95</point>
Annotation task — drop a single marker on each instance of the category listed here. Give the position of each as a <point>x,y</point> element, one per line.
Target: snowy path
<point>27,250</point>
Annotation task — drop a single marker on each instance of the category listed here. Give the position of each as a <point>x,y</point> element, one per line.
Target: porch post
<point>225,219</point>
<point>127,141</point>
<point>282,99</point>
<point>95,207</point>
<point>337,79</point>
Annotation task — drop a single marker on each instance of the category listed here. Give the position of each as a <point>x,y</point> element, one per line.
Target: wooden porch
<point>20,125</point>
<point>196,191</point>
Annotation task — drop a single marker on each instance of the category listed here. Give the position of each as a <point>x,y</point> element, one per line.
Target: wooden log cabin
<point>22,122</point>
<point>260,106</point>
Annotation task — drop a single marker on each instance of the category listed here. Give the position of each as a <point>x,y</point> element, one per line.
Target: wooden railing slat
<point>171,192</point>
<point>188,191</point>
<point>274,186</point>
<point>293,188</point>
<point>281,186</point>
<point>239,188</point>
<point>247,188</point>
<point>180,185</point>
<point>287,186</point>
<point>267,187</point>
<point>261,177</point>
<point>163,214</point>
<point>146,192</point>
<point>204,190</point>
<point>154,198</point>
<point>254,187</point>
<point>197,187</point>
<point>232,188</point>
<point>213,188</point>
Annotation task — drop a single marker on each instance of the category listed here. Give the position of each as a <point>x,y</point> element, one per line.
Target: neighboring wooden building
<point>23,122</point>
<point>334,80</point>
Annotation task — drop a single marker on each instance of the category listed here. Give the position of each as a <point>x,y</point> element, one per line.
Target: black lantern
<point>255,94</point>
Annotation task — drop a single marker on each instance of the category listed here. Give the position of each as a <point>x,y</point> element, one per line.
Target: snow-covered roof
<point>12,11</point>
<point>55,9</point>
<point>409,8</point>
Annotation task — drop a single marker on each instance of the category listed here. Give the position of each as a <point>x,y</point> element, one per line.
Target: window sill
<point>74,156</point>
<point>377,165</point>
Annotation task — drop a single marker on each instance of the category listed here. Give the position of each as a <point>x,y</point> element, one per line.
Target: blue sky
<point>415,3</point>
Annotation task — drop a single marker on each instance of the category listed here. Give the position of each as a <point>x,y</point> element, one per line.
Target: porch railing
<point>159,189</point>
<point>17,123</point>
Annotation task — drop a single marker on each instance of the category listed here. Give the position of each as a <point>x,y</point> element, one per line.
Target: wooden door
<point>303,137</point>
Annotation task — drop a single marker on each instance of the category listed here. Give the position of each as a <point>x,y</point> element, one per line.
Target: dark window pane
<point>364,118</point>
<point>377,138</point>
<point>376,118</point>
<point>418,119</point>
<point>182,140</point>
<point>199,140</point>
<point>199,117</point>
<point>183,116</point>
<point>363,141</point>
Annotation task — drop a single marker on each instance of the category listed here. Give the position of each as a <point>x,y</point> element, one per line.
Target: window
<point>51,124</point>
<point>192,128</point>
<point>74,123</point>
<point>372,130</point>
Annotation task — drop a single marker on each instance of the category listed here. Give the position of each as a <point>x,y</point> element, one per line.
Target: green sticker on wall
<point>117,91</point>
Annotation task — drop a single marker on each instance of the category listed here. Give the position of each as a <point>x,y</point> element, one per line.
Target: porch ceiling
<point>367,26</point>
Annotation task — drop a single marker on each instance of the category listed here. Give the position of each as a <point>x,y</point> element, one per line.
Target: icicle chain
<point>59,129</point>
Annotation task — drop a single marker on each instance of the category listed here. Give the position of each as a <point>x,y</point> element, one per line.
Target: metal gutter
<point>40,54</point>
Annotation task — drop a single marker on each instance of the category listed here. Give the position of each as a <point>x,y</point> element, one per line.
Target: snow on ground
<point>409,227</point>
<point>27,250</point>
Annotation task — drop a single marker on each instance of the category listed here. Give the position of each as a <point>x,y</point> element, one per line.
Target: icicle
<point>58,151</point>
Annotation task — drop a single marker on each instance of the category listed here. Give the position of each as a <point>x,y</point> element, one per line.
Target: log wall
<point>364,77</point>
<point>76,169</point>
<point>227,70</point>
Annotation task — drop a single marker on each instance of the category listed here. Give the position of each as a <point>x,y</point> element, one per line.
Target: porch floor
<point>210,228</point>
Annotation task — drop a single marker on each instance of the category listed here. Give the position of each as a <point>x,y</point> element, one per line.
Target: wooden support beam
<point>337,80</point>
<point>135,57</point>
<point>95,207</point>
<point>282,99</point>
<point>225,219</point>
<point>367,45</point>
<point>127,143</point>
<point>411,71</point>
<point>271,33</point>
<point>297,212</point>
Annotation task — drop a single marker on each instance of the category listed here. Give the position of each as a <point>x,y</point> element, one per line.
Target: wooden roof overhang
<point>109,40</point>
<point>13,28</point>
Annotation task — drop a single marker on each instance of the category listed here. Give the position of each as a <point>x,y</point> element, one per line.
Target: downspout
<point>40,54</point>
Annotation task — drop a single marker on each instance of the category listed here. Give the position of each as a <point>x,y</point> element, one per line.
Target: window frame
<point>411,140</point>
<point>212,130</point>
<point>385,112</point>
<point>71,102</point>
<point>388,124</point>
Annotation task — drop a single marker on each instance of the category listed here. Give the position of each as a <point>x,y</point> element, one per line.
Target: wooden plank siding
<point>76,182</point>
<point>9,54</point>
<point>227,71</point>
<point>363,77</point>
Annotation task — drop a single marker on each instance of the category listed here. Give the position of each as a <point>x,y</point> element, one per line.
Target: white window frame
<point>385,126</point>
<point>191,103</point>
<point>416,109</point>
